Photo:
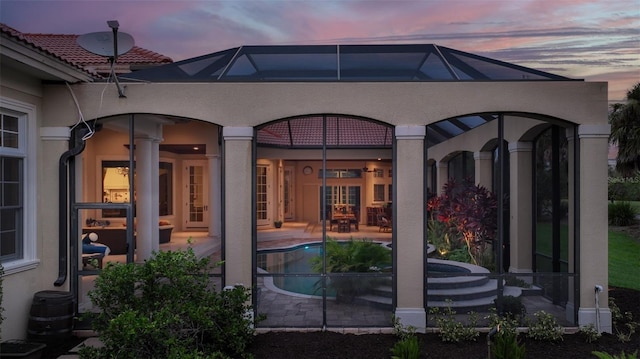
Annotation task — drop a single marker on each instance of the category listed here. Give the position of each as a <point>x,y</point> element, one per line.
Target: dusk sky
<point>595,40</point>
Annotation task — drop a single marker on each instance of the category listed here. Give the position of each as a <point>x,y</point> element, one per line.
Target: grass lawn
<point>624,261</point>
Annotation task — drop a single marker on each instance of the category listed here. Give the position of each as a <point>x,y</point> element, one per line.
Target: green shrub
<point>512,308</point>
<point>624,188</point>
<point>450,329</point>
<point>623,323</point>
<point>590,333</point>
<point>545,328</point>
<point>408,345</point>
<point>167,308</point>
<point>622,214</point>
<point>505,345</point>
<point>407,348</point>
<point>603,355</point>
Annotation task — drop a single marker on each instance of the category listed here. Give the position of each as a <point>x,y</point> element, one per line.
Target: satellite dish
<point>101,43</point>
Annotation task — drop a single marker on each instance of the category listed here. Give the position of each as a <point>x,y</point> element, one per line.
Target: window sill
<point>21,265</point>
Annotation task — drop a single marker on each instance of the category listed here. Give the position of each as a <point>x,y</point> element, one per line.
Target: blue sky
<point>595,40</point>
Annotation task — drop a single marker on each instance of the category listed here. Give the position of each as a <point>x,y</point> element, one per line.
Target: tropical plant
<point>168,308</point>
<point>623,355</point>
<point>470,214</point>
<point>353,256</point>
<point>625,132</point>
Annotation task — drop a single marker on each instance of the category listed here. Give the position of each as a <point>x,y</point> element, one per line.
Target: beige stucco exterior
<point>237,107</point>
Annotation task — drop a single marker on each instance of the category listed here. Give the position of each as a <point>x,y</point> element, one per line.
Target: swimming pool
<point>294,264</point>
<point>293,261</point>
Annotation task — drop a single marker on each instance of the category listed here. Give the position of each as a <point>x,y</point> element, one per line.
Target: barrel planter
<point>51,316</point>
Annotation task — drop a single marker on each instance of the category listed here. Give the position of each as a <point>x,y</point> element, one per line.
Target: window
<point>378,193</point>
<point>390,193</point>
<point>378,172</point>
<point>115,187</point>
<point>16,206</point>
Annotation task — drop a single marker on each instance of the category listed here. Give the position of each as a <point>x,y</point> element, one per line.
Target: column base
<point>588,316</point>
<point>412,317</point>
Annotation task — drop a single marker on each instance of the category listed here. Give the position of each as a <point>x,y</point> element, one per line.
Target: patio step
<point>456,282</point>
<point>475,298</point>
<point>378,301</point>
<point>383,291</point>
<point>480,289</point>
<point>463,306</point>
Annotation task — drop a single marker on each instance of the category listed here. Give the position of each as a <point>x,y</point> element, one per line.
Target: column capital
<point>520,147</point>
<point>594,131</point>
<point>410,132</point>
<point>482,155</point>
<point>55,133</point>
<point>237,133</point>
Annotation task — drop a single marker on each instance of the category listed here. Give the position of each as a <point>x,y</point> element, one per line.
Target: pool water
<point>296,261</point>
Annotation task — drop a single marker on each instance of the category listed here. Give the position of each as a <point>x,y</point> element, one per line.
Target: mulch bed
<point>329,345</point>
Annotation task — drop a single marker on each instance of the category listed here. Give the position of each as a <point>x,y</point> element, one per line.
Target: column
<point>215,196</point>
<point>410,209</point>
<point>442,169</point>
<point>237,205</point>
<point>146,197</point>
<point>593,231</point>
<point>521,207</point>
<point>483,169</point>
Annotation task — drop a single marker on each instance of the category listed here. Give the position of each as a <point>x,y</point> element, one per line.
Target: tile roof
<point>66,48</point>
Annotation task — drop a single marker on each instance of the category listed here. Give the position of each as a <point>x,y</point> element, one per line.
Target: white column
<point>237,205</point>
<point>484,169</point>
<point>442,175</point>
<point>520,207</point>
<point>215,200</point>
<point>408,216</point>
<point>146,195</point>
<point>593,232</point>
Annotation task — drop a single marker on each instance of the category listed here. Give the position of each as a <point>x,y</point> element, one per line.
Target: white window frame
<point>26,114</point>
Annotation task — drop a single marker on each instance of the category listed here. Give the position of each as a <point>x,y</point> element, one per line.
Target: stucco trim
<point>594,131</point>
<point>520,147</point>
<point>55,133</point>
<point>410,132</point>
<point>237,133</point>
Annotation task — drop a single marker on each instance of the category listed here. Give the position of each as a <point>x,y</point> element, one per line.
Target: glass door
<point>196,194</point>
<point>263,195</point>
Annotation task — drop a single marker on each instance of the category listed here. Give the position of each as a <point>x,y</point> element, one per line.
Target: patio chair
<point>384,225</point>
<point>355,221</point>
<point>330,218</point>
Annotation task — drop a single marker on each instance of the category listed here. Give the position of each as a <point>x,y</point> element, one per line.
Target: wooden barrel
<point>51,316</point>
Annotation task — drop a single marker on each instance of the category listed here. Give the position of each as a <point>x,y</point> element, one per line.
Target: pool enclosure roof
<point>347,63</point>
<point>396,63</point>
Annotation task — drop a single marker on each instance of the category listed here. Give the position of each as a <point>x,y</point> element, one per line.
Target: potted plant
<point>17,348</point>
<point>277,223</point>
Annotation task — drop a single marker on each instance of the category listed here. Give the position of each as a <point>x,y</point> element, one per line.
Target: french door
<point>196,194</point>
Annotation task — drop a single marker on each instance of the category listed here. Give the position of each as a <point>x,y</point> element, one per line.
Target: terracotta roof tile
<point>66,48</point>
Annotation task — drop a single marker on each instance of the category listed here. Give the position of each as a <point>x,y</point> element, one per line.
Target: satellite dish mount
<point>108,44</point>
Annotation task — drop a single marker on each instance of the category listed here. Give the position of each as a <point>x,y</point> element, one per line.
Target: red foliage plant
<point>470,213</point>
